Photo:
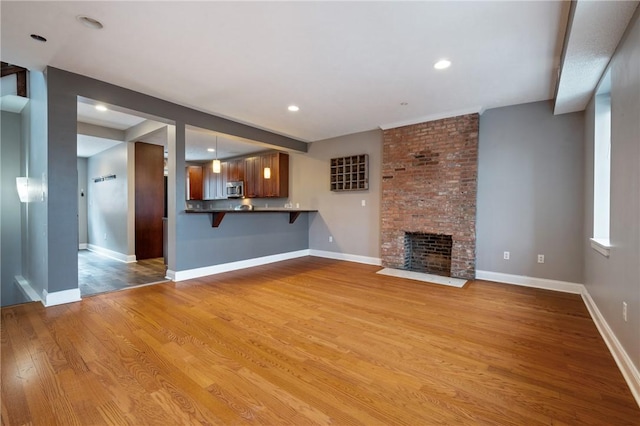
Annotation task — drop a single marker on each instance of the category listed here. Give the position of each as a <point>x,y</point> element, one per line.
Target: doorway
<point>121,198</point>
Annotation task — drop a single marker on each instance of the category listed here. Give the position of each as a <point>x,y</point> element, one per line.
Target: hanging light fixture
<point>267,173</point>
<point>216,162</point>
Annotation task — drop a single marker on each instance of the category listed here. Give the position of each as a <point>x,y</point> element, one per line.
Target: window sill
<point>601,245</point>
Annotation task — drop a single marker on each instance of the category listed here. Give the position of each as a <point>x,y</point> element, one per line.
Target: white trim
<point>170,275</point>
<point>233,266</point>
<point>111,254</point>
<point>26,288</point>
<point>424,277</point>
<point>563,286</point>
<point>345,256</point>
<point>60,297</point>
<point>433,117</point>
<point>82,246</point>
<point>626,366</point>
<point>601,245</point>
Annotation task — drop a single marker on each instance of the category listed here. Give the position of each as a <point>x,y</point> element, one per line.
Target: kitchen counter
<point>218,214</point>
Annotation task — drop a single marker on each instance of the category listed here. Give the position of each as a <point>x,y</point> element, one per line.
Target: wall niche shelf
<point>350,173</point>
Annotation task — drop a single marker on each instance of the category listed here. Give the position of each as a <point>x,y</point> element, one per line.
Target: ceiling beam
<point>21,77</point>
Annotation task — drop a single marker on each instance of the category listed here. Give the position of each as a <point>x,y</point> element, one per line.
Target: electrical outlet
<point>330,239</point>
<point>624,311</point>
<point>105,235</point>
<point>364,203</point>
<point>541,258</point>
<point>506,255</point>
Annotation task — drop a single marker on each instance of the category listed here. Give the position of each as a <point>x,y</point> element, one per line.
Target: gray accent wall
<point>53,227</point>
<point>531,192</point>
<point>83,184</point>
<point>616,279</point>
<point>10,208</point>
<point>107,202</point>
<point>355,229</point>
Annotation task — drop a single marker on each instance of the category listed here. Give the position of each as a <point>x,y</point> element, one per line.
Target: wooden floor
<point>100,274</point>
<point>311,341</point>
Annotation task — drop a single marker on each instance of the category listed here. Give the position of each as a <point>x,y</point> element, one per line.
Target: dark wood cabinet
<point>235,170</point>
<point>194,183</point>
<point>278,184</point>
<point>252,177</point>
<point>149,200</point>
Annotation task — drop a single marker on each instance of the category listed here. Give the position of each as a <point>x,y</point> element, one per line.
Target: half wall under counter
<point>218,214</point>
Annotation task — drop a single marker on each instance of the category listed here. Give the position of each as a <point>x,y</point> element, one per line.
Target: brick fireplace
<point>429,182</point>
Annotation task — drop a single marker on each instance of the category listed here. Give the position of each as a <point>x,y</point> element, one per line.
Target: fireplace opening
<point>430,253</point>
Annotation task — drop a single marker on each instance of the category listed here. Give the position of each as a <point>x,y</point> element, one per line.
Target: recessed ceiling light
<point>442,64</point>
<point>293,108</point>
<point>211,150</point>
<point>38,38</point>
<point>89,22</point>
<point>101,108</point>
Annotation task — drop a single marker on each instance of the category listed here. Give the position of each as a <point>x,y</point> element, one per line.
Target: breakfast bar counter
<point>218,214</point>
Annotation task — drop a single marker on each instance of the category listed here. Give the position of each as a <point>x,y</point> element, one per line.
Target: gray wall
<point>239,237</point>
<point>107,204</point>
<point>530,192</point>
<point>56,228</point>
<point>355,229</point>
<point>610,281</point>
<point>35,266</point>
<point>10,208</point>
<point>82,201</point>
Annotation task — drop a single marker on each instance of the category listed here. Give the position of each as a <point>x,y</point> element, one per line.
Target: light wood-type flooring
<point>311,341</point>
<point>100,274</point>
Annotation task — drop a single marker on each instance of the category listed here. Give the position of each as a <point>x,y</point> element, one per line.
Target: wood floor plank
<point>311,341</point>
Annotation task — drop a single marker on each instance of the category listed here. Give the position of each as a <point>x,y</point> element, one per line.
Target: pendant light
<point>216,162</point>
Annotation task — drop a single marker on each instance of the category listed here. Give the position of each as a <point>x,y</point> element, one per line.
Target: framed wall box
<point>350,173</point>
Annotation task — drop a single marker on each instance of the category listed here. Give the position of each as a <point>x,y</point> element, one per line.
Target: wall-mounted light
<point>22,184</point>
<point>267,173</point>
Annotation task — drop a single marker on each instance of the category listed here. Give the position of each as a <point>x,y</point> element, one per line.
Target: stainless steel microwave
<point>235,189</point>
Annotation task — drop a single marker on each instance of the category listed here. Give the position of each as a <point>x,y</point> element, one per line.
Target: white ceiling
<point>348,65</point>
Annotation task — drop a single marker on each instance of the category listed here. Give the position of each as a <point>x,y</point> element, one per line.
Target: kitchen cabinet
<point>252,177</point>
<point>215,183</point>
<point>235,170</point>
<point>278,185</point>
<point>194,182</point>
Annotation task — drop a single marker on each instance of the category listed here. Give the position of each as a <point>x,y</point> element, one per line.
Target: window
<point>602,169</point>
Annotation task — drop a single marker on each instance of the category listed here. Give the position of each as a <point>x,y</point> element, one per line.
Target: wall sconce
<point>267,173</point>
<point>22,184</point>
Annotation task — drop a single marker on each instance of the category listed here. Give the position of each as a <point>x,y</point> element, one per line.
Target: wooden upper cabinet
<point>195,182</point>
<point>252,178</point>
<point>278,185</point>
<point>235,170</point>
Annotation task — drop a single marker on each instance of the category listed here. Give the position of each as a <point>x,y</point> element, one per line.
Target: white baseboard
<point>345,256</point>
<point>563,286</point>
<point>83,246</point>
<point>60,297</point>
<point>626,366</point>
<point>26,289</point>
<point>111,254</point>
<point>233,266</point>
